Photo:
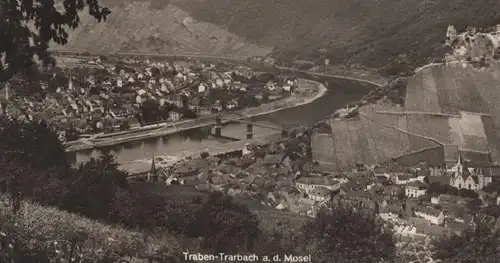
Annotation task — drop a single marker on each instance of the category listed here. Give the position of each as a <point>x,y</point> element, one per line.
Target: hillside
<point>375,32</point>
<point>370,33</point>
<point>140,26</point>
<point>451,104</point>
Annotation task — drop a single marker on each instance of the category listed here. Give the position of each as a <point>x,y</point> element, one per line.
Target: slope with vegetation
<point>160,28</point>
<point>372,33</point>
<point>452,103</point>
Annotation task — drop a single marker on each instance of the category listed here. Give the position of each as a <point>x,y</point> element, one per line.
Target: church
<point>466,176</point>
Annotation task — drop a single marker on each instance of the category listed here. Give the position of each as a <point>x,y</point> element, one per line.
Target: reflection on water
<point>340,92</point>
<point>171,144</point>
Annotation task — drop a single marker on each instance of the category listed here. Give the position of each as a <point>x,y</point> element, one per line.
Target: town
<point>418,202</point>
<point>97,95</point>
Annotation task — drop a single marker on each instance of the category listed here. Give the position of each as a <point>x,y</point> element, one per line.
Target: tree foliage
<point>479,244</point>
<point>28,26</point>
<point>224,225</point>
<point>344,234</point>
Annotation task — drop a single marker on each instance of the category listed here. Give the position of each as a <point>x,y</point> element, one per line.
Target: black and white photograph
<point>267,131</point>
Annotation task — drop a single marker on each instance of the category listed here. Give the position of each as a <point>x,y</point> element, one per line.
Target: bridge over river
<point>218,121</point>
<point>193,135</point>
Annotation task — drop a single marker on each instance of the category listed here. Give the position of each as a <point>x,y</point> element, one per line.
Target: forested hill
<point>374,31</point>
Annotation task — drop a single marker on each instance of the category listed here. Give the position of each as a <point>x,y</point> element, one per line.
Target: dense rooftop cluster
<point>119,96</point>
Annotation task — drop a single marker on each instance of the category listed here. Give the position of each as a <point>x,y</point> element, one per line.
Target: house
<point>381,171</point>
<point>319,194</point>
<point>202,88</point>
<point>357,198</point>
<point>390,212</point>
<point>174,115</point>
<point>405,178</point>
<point>433,215</point>
<point>270,86</point>
<point>307,184</point>
<point>246,149</point>
<point>415,189</point>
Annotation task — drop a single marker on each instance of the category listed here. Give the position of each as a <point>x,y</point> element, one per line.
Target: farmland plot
<point>470,97</point>
<point>432,126</point>
<point>414,94</point>
<point>492,136</point>
<point>473,135</point>
<point>360,142</point>
<point>323,148</point>
<point>430,101</point>
<point>343,147</point>
<point>447,95</point>
<point>385,142</point>
<point>488,84</point>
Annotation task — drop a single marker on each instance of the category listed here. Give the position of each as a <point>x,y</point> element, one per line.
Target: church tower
<point>459,166</point>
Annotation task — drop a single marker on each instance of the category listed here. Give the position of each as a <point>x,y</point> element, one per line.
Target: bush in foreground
<point>43,230</point>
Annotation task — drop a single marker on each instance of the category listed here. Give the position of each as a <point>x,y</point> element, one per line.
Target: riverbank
<point>307,92</point>
<point>340,73</point>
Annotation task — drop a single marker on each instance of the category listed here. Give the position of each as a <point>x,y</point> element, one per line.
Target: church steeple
<point>460,164</point>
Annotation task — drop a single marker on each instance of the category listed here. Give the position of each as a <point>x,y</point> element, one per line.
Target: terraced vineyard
<point>137,26</point>
<point>454,106</point>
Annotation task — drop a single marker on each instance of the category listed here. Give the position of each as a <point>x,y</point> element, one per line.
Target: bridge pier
<point>218,127</point>
<point>249,131</point>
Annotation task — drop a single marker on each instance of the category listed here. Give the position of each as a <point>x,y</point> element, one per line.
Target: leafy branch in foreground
<point>28,26</point>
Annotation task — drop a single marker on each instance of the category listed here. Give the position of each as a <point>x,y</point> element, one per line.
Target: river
<point>340,92</point>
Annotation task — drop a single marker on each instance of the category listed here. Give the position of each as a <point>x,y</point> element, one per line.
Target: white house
<point>319,194</point>
<point>415,189</point>
<point>270,86</point>
<point>202,88</point>
<point>307,184</point>
<point>246,149</point>
<point>219,83</point>
<point>433,215</point>
<point>405,178</point>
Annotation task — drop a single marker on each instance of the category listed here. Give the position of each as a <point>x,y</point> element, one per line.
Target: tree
<point>21,42</point>
<point>474,205</point>
<point>479,244</point>
<point>204,155</point>
<point>346,234</point>
<point>150,110</point>
<point>225,226</point>
<point>467,193</point>
<point>93,187</point>
<point>436,189</point>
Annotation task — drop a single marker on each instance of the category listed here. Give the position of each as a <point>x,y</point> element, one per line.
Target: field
<point>422,94</point>
<point>371,138</point>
